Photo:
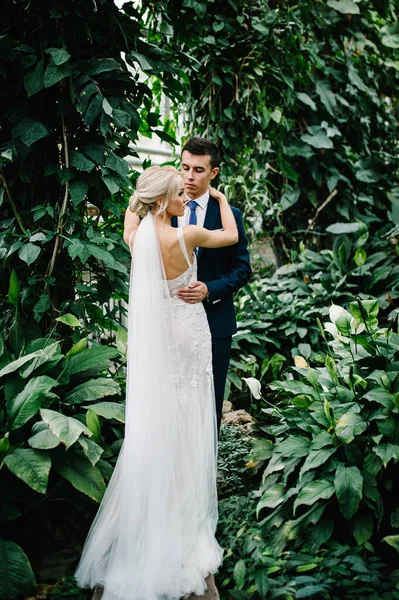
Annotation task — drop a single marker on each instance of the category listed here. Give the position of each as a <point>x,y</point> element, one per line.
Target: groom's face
<point>197,173</point>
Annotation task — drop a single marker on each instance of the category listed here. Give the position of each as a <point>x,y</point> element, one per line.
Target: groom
<point>221,271</point>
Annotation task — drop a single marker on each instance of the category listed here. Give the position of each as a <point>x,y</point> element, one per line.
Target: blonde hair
<point>153,184</point>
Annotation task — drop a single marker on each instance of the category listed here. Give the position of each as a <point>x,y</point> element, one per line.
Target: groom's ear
<point>214,172</point>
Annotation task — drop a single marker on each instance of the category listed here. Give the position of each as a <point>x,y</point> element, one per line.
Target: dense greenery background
<point>301,98</point>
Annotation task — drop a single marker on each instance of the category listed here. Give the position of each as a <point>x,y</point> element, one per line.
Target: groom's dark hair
<point>201,147</point>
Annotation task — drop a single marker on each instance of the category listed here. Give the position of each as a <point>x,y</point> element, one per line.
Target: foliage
<point>71,107</point>
<point>251,570</point>
<point>331,447</point>
<point>233,450</point>
<point>16,575</point>
<point>301,99</point>
<point>60,432</point>
<point>277,314</point>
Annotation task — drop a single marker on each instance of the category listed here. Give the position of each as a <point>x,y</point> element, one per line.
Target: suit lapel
<point>212,213</point>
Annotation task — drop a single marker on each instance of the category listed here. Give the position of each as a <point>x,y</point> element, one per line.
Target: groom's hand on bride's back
<point>195,292</point>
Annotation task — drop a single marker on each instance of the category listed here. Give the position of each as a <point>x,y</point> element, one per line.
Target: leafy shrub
<point>332,445</point>
<point>279,312</point>
<point>54,434</point>
<point>233,452</point>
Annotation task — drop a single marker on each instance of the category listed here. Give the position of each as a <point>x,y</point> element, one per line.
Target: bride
<point>153,537</point>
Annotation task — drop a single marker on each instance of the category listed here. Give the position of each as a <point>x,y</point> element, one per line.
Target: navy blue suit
<point>224,271</point>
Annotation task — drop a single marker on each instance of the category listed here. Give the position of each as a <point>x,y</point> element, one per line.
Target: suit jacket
<point>224,271</point>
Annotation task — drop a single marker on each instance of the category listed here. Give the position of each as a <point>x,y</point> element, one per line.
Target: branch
<point>11,201</point>
<point>318,211</point>
<point>57,244</point>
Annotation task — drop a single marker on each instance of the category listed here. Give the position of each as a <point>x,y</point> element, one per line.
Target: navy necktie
<point>193,217</point>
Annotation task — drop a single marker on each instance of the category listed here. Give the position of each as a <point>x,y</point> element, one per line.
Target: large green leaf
<point>44,440</point>
<point>55,73</point>
<point>92,360</point>
<point>32,466</point>
<point>316,458</point>
<point>320,489</point>
<point>34,78</point>
<point>59,55</point>
<point>29,253</point>
<point>328,98</point>
<point>16,576</point>
<point>82,475</point>
<point>344,6</point>
<point>387,452</point>
<point>108,410</point>
<point>392,540</point>
<point>93,389</point>
<point>69,319</point>
<point>294,445</point>
<point>16,364</point>
<point>14,288</point>
<point>272,497</point>
<point>363,528</point>
<point>50,353</point>
<point>67,429</point>
<point>91,450</point>
<point>320,140</point>
<point>349,426</point>
<point>348,483</point>
<point>30,131</point>
<point>28,402</point>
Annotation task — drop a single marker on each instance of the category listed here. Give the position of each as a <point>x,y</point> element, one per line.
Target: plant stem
<point>57,244</point>
<point>11,201</point>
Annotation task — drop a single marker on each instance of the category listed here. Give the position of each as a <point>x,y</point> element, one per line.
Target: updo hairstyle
<point>153,184</point>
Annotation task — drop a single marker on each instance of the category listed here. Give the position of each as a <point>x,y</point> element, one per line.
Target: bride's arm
<point>132,221</point>
<point>204,238</point>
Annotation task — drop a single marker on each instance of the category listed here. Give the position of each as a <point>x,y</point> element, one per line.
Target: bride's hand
<point>216,194</point>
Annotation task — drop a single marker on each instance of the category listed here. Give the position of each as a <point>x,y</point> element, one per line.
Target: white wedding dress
<point>154,535</point>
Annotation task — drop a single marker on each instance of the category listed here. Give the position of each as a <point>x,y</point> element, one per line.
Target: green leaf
<point>254,386</point>
<point>320,140</point>
<point>320,489</point>
<point>28,402</point>
<point>360,257</point>
<point>81,162</point>
<point>16,364</point>
<point>59,55</point>
<point>47,354</point>
<point>30,131</point>
<point>55,73</point>
<point>44,440</point>
<point>392,540</point>
<point>239,574</point>
<point>93,389</point>
<point>32,466</point>
<point>121,341</point>
<point>363,528</point>
<point>340,228</point>
<point>16,576</point>
<point>78,190</point>
<point>316,458</point>
<point>78,347</point>
<point>67,429</point>
<point>82,475</point>
<point>108,410</point>
<point>262,449</point>
<point>92,360</point>
<point>34,78</point>
<point>387,452</point>
<point>4,446</point>
<point>390,41</point>
<point>120,165</point>
<point>346,7</point>
<point>349,426</point>
<point>91,450</point>
<point>29,253</point>
<point>14,288</point>
<point>348,483</point>
<point>93,424</point>
<point>323,88</point>
<point>69,320</point>
<point>272,498</point>
<point>306,99</point>
<point>294,445</point>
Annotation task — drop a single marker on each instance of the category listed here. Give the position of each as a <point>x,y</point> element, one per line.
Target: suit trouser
<point>221,348</point>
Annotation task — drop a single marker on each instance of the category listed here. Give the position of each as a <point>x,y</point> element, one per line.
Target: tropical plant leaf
<point>32,466</point>
<point>108,410</point>
<point>320,489</point>
<point>82,475</point>
<point>16,576</point>
<point>67,429</point>
<point>93,389</point>
<point>348,483</point>
<point>28,402</point>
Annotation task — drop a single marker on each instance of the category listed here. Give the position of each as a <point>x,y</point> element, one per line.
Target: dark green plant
<point>233,453</point>
<point>302,99</point>
<point>277,314</point>
<point>60,433</point>
<point>72,103</point>
<point>331,445</point>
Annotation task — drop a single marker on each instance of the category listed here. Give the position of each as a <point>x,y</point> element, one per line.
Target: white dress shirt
<point>200,211</point>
